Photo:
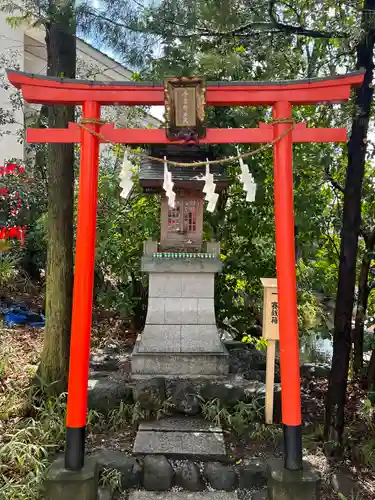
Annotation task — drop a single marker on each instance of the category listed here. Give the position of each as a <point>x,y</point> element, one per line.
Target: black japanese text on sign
<point>275,313</point>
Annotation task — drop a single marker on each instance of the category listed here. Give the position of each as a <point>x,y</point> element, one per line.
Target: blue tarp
<point>21,315</point>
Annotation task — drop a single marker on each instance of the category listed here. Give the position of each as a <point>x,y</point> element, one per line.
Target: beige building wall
<point>11,48</point>
<point>25,48</point>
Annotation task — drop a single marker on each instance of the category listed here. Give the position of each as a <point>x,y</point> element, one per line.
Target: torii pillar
<point>281,96</point>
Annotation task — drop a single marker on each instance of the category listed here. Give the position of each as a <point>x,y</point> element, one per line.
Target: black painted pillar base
<point>293,447</point>
<point>284,484</point>
<point>62,484</point>
<point>75,448</point>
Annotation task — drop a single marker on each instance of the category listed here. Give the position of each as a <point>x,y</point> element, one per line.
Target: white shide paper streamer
<point>248,181</point>
<point>126,176</point>
<point>168,185</point>
<point>209,189</point>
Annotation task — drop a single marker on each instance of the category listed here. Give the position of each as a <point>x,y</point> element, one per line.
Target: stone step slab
<point>179,424</point>
<point>202,446</point>
<point>181,495</point>
<point>181,438</point>
<point>201,495</point>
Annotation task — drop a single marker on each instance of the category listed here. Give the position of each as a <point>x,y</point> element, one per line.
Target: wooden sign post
<point>271,334</point>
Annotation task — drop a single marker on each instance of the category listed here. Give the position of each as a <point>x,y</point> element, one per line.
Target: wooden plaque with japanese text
<point>185,100</point>
<point>270,309</point>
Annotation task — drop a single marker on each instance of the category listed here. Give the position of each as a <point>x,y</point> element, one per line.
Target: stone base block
<point>61,484</point>
<point>174,365</point>
<point>186,338</point>
<point>179,350</point>
<point>292,485</point>
<point>104,494</point>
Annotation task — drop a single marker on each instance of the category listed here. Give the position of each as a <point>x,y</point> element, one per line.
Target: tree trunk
<point>335,402</point>
<point>363,295</point>
<point>61,50</point>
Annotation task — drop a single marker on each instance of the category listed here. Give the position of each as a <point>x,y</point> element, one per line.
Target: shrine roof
<point>155,171</point>
<point>152,172</point>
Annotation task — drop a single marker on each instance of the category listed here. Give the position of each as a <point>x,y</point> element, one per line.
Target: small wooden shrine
<point>181,227</point>
<point>180,337</point>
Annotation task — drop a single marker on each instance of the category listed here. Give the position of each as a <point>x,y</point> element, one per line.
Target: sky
<point>156,111</point>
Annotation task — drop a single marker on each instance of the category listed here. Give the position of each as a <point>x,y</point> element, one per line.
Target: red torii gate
<point>92,95</point>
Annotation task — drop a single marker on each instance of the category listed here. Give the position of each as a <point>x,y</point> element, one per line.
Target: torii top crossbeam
<point>92,95</point>
<point>47,90</point>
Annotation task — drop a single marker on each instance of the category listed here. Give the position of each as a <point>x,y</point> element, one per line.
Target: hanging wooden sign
<point>185,100</point>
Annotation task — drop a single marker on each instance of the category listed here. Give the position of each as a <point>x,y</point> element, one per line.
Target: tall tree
<point>61,51</point>
<point>342,339</point>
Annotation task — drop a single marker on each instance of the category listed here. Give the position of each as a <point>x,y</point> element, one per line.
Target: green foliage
<point>122,226</point>
<point>8,263</point>
<point>367,447</point>
<point>17,21</point>
<point>353,497</point>
<point>367,451</point>
<point>214,412</point>
<point>258,342</point>
<point>28,447</point>
<point>314,438</point>
<point>117,417</point>
<point>243,418</point>
<point>24,454</point>
<point>3,366</point>
<point>310,312</point>
<point>371,397</point>
<point>111,479</point>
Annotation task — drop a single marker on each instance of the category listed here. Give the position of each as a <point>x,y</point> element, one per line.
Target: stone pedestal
<point>61,484</point>
<point>180,337</point>
<point>292,485</point>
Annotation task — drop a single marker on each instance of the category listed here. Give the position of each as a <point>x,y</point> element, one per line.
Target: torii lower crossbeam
<point>263,134</point>
<point>281,96</point>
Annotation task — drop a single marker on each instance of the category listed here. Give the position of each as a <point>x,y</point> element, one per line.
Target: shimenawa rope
<point>91,121</point>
